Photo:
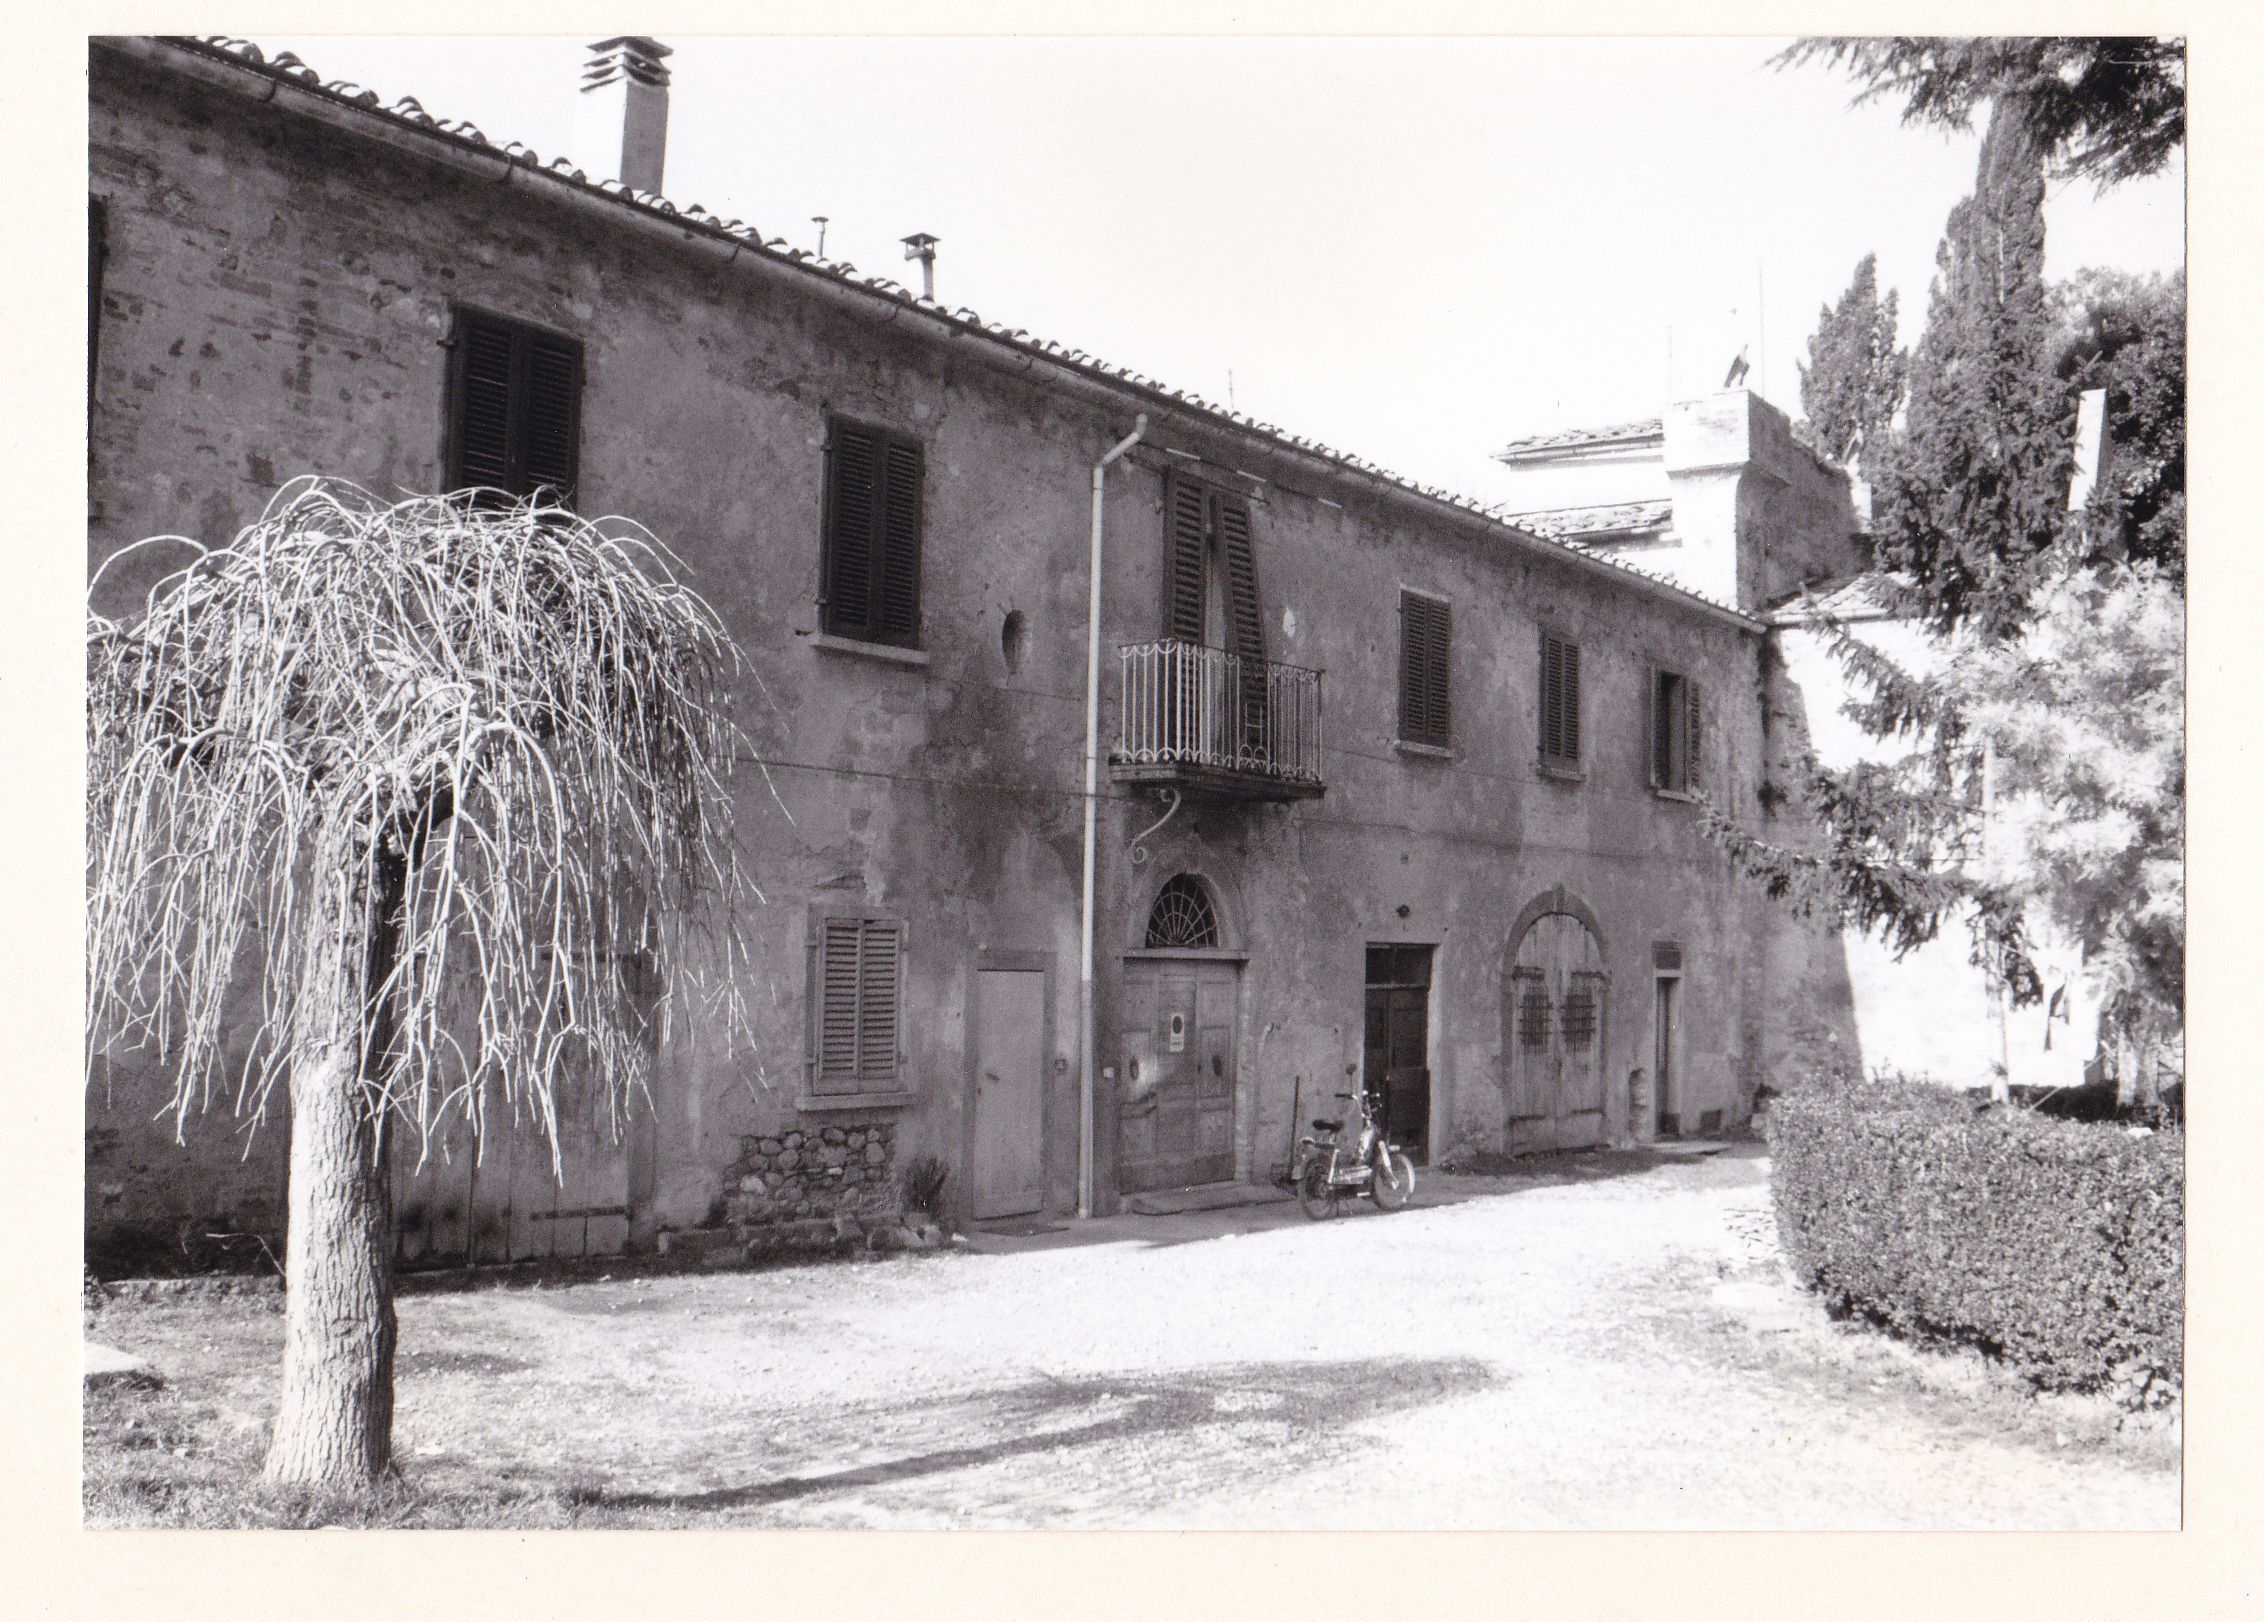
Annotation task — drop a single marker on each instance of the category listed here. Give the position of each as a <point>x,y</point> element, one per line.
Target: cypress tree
<point>1973,497</point>
<point>1856,376</point>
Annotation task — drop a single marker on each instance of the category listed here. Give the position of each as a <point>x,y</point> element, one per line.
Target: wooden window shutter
<point>1245,624</point>
<point>899,545</point>
<point>870,570</point>
<point>1691,693</point>
<point>1655,727</point>
<point>514,410</point>
<point>860,973</point>
<point>482,407</point>
<point>1426,629</point>
<point>1571,700</point>
<point>1560,699</point>
<point>879,999</point>
<point>851,460</point>
<point>552,424</point>
<point>1186,527</point>
<point>1411,629</point>
<point>838,954</point>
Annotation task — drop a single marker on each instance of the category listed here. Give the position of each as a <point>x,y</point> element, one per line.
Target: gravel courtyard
<point>1605,1342</point>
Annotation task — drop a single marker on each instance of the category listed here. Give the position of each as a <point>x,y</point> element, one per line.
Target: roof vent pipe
<point>621,125</point>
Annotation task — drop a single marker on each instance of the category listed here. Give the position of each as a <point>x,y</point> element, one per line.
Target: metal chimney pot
<point>921,246</point>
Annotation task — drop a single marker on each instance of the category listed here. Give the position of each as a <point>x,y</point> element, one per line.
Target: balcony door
<point>1211,584</point>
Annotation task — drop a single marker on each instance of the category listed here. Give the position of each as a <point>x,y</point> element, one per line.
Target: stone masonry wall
<point>817,1172</point>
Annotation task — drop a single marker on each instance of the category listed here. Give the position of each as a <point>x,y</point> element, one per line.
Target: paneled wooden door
<point>1009,1168</point>
<point>1175,1121</point>
<point>1555,1031</point>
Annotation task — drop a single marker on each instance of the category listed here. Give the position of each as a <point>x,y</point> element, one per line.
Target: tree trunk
<point>334,1428</point>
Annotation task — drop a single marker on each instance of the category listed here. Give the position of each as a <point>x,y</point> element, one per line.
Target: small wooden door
<point>1175,1115</point>
<point>1554,1024</point>
<point>1009,1170</point>
<point>1667,1107</point>
<point>1396,1069</point>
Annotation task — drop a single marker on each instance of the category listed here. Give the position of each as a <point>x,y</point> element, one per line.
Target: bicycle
<point>1329,1170</point>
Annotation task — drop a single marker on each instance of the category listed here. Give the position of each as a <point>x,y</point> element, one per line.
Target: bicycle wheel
<point>1394,1183</point>
<point>1316,1195</point>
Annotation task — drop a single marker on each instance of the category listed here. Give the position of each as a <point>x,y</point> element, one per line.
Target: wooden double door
<point>508,1204</point>
<point>1554,1026</point>
<point>1176,1073</point>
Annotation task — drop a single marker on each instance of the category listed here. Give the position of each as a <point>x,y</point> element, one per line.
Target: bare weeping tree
<point>436,768</point>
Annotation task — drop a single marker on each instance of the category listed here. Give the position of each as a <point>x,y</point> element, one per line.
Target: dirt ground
<point>1607,1342</point>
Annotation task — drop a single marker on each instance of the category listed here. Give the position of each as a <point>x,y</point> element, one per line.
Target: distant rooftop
<point>1535,446</point>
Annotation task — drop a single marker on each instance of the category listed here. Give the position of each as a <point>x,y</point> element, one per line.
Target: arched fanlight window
<point>1183,915</point>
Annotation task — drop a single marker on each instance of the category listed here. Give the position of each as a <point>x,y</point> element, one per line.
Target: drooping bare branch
<point>520,717</point>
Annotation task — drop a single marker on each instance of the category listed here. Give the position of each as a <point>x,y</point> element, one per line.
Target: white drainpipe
<point>1092,799</point>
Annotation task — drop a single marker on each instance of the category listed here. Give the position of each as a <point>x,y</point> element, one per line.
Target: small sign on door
<point>1178,1033</point>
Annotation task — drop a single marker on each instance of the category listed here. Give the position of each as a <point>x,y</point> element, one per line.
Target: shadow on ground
<point>1290,1412</point>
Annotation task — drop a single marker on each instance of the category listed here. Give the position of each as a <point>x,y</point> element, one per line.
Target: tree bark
<point>334,1428</point>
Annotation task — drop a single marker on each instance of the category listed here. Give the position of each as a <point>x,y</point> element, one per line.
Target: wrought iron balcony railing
<point>1188,713</point>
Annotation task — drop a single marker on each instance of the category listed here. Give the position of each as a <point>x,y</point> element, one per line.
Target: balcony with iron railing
<point>1201,717</point>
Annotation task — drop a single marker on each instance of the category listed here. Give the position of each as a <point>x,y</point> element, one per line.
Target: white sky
<point>1412,249</point>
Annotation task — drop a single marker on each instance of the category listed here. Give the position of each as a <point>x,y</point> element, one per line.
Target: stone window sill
<point>882,651</point>
<point>819,1103</point>
<point>1426,751</point>
<point>1564,771</point>
<point>1686,796</point>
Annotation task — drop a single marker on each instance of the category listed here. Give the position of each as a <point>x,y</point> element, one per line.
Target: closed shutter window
<point>1676,732</point>
<point>514,411</point>
<point>859,975</point>
<point>1560,700</point>
<point>1425,656</point>
<point>870,567</point>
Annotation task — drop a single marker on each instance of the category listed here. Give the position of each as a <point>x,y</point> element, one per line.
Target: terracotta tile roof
<point>286,65</point>
<point>1620,518</point>
<point>1538,445</point>
<point>1867,596</point>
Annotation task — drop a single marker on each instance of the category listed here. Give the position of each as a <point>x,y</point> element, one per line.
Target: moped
<point>1329,1169</point>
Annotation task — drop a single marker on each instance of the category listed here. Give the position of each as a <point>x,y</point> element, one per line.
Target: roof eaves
<point>408,112</point>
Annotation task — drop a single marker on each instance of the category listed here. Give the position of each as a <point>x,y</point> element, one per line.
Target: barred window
<point>1579,1018</point>
<point>1533,1014</point>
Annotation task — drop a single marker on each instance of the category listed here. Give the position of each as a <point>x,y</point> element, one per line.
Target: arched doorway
<point>1553,1006</point>
<point>1182,991</point>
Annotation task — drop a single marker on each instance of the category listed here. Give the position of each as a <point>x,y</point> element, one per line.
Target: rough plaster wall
<point>275,304</point>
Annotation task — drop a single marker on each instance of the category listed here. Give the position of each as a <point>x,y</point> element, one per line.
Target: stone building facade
<point>1396,793</point>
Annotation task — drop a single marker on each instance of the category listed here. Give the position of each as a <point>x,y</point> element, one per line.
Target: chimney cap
<point>918,243</point>
<point>630,56</point>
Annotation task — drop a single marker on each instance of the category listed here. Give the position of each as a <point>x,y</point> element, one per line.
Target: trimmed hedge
<point>2057,1247</point>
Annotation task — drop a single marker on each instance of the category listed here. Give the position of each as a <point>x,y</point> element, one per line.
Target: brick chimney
<point>621,126</point>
